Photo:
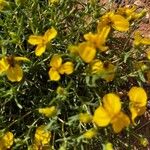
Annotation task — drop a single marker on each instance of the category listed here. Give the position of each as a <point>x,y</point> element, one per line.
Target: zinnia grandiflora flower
<point>57,68</point>
<point>113,20</point>
<point>138,39</point>
<point>6,141</point>
<point>10,66</point>
<point>42,41</point>
<point>110,113</point>
<point>138,101</point>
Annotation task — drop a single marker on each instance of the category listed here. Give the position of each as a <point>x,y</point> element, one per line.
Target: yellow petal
<point>103,33</point>
<point>42,135</point>
<point>87,52</point>
<point>145,41</point>
<point>35,40</point>
<point>66,68</point>
<point>120,121</point>
<point>15,73</point>
<point>54,75</point>
<point>136,111</point>
<point>56,61</point>
<point>40,49</point>
<point>101,117</point>
<point>3,65</point>
<point>138,96</point>
<point>21,59</point>
<point>112,104</point>
<point>50,34</point>
<point>48,111</point>
<point>119,23</point>
<point>96,66</point>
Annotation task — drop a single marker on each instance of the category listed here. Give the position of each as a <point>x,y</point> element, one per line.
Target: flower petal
<point>66,68</point>
<point>56,61</point>
<point>35,40</point>
<point>3,65</point>
<point>119,122</point>
<point>50,34</point>
<point>101,117</point>
<point>119,23</point>
<point>40,49</point>
<point>138,96</point>
<point>136,111</point>
<point>112,104</point>
<point>54,75</point>
<point>87,52</point>
<point>15,73</point>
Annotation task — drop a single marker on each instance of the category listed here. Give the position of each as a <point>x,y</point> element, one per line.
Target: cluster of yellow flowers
<point>110,111</point>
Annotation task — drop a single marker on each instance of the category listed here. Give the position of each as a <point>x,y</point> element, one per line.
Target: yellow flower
<point>108,146</point>
<point>111,112</point>
<point>42,136</point>
<point>130,13</point>
<point>85,117</point>
<point>42,41</point>
<point>89,134</point>
<point>138,39</point>
<point>98,40</point>
<point>9,65</point>
<point>58,68</point>
<point>115,21</point>
<point>7,140</point>
<point>138,101</point>
<point>48,111</point>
